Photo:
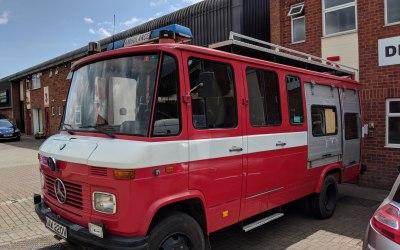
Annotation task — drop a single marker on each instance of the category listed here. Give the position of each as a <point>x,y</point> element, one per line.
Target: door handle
<point>235,149</point>
<point>280,144</point>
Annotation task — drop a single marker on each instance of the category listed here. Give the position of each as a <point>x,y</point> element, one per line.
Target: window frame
<point>336,119</point>
<point>235,91</point>
<point>302,100</point>
<point>292,25</point>
<point>357,126</point>
<point>298,12</point>
<point>386,16</point>
<point>336,8</point>
<point>387,115</point>
<point>36,84</point>
<point>278,94</point>
<point>157,91</point>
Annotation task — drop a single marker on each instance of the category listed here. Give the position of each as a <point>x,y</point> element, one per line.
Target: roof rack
<point>248,46</point>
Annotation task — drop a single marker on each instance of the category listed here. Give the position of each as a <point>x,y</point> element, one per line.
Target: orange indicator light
<point>225,213</point>
<point>169,170</point>
<point>123,174</point>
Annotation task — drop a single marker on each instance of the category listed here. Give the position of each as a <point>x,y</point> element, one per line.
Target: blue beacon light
<point>180,34</point>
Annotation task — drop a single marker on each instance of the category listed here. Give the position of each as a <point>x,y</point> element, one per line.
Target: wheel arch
<point>192,204</point>
<point>335,170</point>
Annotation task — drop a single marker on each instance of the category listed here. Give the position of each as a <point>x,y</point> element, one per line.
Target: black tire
<point>177,231</point>
<point>323,205</point>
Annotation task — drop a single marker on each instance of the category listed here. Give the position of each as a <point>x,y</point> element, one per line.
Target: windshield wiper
<point>65,125</point>
<point>100,129</point>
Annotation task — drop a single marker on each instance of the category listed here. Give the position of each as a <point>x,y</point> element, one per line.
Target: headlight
<point>104,202</point>
<point>42,181</point>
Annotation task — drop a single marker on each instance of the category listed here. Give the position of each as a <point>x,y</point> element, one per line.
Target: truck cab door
<point>215,136</point>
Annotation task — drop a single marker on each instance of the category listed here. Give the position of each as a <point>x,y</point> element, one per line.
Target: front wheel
<point>323,205</point>
<point>178,231</point>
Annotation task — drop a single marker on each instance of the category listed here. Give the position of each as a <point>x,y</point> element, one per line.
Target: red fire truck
<point>164,143</point>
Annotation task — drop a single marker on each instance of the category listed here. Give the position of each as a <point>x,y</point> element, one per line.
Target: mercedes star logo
<point>60,191</point>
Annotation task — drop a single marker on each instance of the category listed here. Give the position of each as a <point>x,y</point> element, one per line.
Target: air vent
<point>98,171</point>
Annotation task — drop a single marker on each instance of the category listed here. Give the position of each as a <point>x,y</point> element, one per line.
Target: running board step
<point>262,222</point>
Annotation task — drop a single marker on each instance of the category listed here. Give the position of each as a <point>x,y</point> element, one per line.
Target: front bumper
<point>80,235</point>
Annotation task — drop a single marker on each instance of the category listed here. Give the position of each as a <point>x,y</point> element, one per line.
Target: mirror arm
<point>196,87</point>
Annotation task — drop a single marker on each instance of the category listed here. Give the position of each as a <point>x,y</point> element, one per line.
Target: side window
<point>351,126</point>
<point>295,100</point>
<point>167,112</point>
<point>324,120</point>
<point>264,102</point>
<point>213,101</point>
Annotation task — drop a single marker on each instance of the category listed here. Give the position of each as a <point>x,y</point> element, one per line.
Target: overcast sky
<point>32,32</point>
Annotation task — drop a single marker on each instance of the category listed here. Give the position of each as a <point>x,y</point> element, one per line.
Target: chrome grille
<point>74,192</point>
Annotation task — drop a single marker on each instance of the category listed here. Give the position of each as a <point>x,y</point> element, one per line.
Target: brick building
<point>363,34</point>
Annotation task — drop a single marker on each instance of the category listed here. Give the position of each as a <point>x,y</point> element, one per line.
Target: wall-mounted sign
<point>4,98</point>
<point>389,51</point>
<point>46,97</point>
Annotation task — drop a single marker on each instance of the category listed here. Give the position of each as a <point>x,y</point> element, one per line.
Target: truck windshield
<point>112,96</point>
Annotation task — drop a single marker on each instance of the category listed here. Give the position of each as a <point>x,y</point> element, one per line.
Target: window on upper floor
<point>339,16</point>
<point>392,12</point>
<point>36,81</point>
<point>296,14</point>
<point>393,123</point>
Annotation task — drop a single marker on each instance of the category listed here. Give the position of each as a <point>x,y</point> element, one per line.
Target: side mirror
<point>209,88</point>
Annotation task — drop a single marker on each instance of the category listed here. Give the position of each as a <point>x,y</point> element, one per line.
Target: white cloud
<point>131,22</point>
<point>91,31</point>
<point>103,32</point>
<point>4,18</point>
<point>88,20</point>
<point>192,1</point>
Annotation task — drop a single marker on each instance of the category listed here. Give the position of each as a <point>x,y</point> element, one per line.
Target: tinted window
<point>295,100</point>
<point>166,114</point>
<point>351,126</point>
<point>213,104</point>
<point>264,103</point>
<point>324,120</point>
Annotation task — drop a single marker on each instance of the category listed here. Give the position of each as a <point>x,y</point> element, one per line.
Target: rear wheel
<point>178,231</point>
<point>323,205</point>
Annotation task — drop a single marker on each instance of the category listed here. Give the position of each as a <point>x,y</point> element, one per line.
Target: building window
<point>264,101</point>
<point>53,111</point>
<point>36,81</point>
<point>339,16</point>
<point>295,100</point>
<point>393,123</point>
<point>392,11</point>
<point>296,14</point>
<point>324,120</point>
<point>28,85</point>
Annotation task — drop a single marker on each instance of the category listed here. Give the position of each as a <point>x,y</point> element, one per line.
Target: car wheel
<point>177,231</point>
<point>323,205</point>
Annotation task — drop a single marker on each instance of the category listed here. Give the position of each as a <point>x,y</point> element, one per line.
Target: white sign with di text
<point>389,51</point>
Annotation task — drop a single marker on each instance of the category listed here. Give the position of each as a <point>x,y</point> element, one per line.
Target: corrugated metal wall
<point>256,19</point>
<point>212,20</point>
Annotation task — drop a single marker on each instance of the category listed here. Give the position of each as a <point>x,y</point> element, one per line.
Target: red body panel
<point>230,188</point>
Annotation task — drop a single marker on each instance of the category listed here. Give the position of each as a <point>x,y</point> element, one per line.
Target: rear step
<point>262,221</point>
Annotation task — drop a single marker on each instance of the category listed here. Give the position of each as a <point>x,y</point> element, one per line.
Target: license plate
<point>60,230</point>
<point>7,135</point>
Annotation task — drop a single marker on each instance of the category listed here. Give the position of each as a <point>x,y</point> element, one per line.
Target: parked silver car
<point>383,231</point>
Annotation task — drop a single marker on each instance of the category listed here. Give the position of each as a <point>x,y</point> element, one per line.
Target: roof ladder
<point>248,46</point>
